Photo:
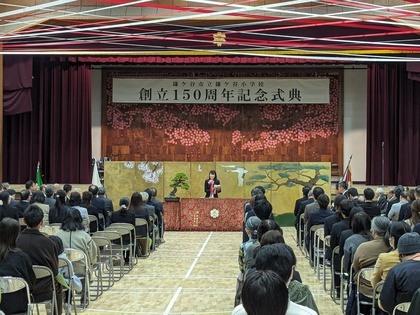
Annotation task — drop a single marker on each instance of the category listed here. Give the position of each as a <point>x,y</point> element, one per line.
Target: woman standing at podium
<point>212,185</point>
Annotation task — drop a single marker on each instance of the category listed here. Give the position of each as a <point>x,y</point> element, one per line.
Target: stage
<point>205,214</point>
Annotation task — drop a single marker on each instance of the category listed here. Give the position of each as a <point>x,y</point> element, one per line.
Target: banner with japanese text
<point>221,90</point>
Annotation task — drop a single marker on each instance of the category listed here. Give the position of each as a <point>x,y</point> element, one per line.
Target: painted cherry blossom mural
<point>229,129</point>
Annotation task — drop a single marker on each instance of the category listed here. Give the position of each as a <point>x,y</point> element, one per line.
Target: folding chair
<point>14,284</point>
<point>105,263</point>
<point>132,228</point>
<point>327,240</point>
<point>125,233</point>
<point>376,293</point>
<point>402,307</point>
<point>334,273</point>
<point>44,272</point>
<point>116,249</point>
<point>318,250</point>
<point>363,274</point>
<point>301,235</point>
<point>312,243</point>
<point>79,257</point>
<point>155,233</point>
<point>101,219</point>
<point>65,262</point>
<point>143,239</point>
<point>93,223</point>
<point>344,281</point>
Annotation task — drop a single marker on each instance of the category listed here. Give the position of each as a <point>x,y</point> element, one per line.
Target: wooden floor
<point>193,273</point>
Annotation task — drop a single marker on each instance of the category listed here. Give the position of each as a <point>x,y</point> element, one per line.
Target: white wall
<point>355,82</point>
<point>96,112</point>
<point>355,98</point>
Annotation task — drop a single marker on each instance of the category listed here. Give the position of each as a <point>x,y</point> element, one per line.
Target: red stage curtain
<point>58,130</point>
<point>393,113</point>
<point>17,84</point>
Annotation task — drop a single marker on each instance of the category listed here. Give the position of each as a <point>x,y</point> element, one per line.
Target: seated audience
<point>415,214</point>
<point>25,198</point>
<point>381,199</point>
<point>42,251</point>
<point>49,196</point>
<point>265,293</point>
<point>73,235</point>
<point>371,209</point>
<point>141,213</point>
<point>38,198</point>
<point>58,212</point>
<point>366,255</point>
<point>6,209</point>
<point>251,228</point>
<point>405,210</point>
<point>75,202</point>
<point>14,263</point>
<point>403,280</point>
<point>394,211</point>
<point>386,261</point>
<point>87,203</point>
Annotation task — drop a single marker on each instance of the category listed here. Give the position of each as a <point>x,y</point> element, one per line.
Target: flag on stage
<point>96,180</point>
<point>38,177</point>
<point>347,176</point>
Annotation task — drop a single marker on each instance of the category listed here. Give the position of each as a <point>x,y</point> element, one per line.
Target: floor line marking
<point>294,239</point>
<point>198,255</point>
<point>172,302</point>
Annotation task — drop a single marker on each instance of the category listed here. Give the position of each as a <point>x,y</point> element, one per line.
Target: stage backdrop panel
<point>283,181</point>
<point>224,131</point>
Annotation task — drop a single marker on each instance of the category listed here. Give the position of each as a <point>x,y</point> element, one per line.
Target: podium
<point>205,214</point>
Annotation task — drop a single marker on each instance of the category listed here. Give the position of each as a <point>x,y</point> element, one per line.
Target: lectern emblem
<point>214,213</point>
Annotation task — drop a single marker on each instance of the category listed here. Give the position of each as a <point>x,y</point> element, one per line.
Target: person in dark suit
<point>212,185</point>
<point>405,210</point>
<point>109,208</point>
<point>87,203</point>
<point>6,209</point>
<point>305,191</point>
<point>14,263</point>
<point>99,203</point>
<point>42,251</point>
<point>158,208</point>
<point>397,193</point>
<point>49,196</point>
<point>25,198</point>
<point>371,209</point>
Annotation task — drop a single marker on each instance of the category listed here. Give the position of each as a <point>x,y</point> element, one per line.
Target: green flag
<point>38,177</point>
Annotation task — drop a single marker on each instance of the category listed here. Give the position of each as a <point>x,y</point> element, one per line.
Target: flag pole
<point>347,167</point>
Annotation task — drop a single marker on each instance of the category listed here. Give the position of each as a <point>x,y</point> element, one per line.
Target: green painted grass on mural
<point>285,219</point>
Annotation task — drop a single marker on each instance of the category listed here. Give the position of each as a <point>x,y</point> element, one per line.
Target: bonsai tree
<point>178,181</point>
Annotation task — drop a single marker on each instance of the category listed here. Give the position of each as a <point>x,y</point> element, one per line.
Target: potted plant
<point>178,181</point>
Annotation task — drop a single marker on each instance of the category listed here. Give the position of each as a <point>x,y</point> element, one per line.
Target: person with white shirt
<point>277,258</point>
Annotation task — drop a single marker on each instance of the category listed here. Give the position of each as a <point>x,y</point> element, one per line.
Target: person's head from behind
<point>272,237</point>
<point>395,231</point>
<point>33,216</point>
<point>317,192</point>
<point>213,175</point>
<point>124,202</point>
<point>25,194</point>
<point>9,231</point>
<point>5,197</point>
<point>136,200</point>
<point>397,191</point>
<point>144,196</point>
<point>75,199</point>
<point>72,221</point>
<point>369,194</point>
<point>412,194</point>
<point>323,201</point>
<point>87,197</point>
<point>380,227</point>
<point>58,243</point>
<point>278,258</point>
<point>305,190</point>
<point>60,196</point>
<point>251,226</point>
<point>263,209</point>
<point>265,226</point>
<point>255,191</point>
<point>49,191</point>
<point>264,293</point>
<point>149,194</point>
<point>67,188</point>
<point>337,200</point>
<point>361,224</point>
<point>352,193</point>
<point>94,189</point>
<point>379,192</point>
<point>38,196</point>
<point>255,198</point>
<point>345,207</point>
<point>408,245</point>
<point>153,190</point>
<point>101,191</point>
<point>415,211</point>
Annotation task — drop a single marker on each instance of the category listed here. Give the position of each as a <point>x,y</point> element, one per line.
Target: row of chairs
<point>327,273</point>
